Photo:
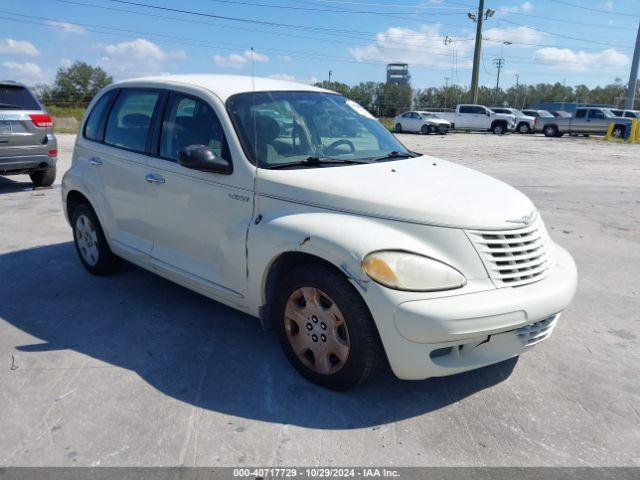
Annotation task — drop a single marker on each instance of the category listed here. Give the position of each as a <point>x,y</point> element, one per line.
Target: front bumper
<point>448,335</point>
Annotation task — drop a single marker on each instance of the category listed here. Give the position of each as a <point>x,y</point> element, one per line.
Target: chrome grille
<point>537,332</point>
<point>514,257</point>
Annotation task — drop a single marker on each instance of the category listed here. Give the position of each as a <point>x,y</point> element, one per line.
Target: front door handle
<point>95,161</point>
<point>153,178</point>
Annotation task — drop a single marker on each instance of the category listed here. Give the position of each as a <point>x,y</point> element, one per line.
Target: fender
<point>344,240</point>
<point>85,181</point>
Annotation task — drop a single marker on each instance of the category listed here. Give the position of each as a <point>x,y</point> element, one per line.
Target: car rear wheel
<point>618,131</point>
<point>325,328</point>
<point>398,128</point>
<point>91,244</point>
<point>524,128</point>
<point>550,131</point>
<point>43,178</point>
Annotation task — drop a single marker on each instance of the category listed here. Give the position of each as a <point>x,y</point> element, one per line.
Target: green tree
<point>76,84</point>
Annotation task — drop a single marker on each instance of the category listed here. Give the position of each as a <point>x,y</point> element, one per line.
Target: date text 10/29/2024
<point>267,473</point>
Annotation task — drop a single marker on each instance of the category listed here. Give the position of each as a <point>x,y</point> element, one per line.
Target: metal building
<point>398,73</point>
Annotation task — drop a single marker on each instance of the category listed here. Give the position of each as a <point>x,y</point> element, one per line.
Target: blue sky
<point>546,40</point>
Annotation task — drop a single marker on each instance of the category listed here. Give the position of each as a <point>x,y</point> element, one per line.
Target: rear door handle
<point>95,161</point>
<point>153,178</point>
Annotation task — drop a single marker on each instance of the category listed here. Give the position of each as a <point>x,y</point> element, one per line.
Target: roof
<point>224,86</point>
<point>12,83</point>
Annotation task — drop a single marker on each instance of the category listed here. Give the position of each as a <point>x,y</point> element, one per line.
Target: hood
<point>506,116</point>
<point>526,118</point>
<point>438,121</point>
<point>423,190</point>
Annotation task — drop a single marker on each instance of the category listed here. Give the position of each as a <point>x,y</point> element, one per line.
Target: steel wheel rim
<point>87,240</point>
<point>317,330</point>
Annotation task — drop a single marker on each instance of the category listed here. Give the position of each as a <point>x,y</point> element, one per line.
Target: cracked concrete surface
<point>132,370</point>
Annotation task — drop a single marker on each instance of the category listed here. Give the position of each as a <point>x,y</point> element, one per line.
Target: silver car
<point>27,143</point>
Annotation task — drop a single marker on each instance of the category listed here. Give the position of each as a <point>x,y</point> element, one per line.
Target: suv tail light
<point>41,120</point>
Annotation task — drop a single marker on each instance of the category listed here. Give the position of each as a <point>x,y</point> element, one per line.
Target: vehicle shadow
<point>9,185</point>
<point>197,350</point>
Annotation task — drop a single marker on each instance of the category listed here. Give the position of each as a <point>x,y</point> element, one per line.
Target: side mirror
<point>488,113</point>
<point>202,158</point>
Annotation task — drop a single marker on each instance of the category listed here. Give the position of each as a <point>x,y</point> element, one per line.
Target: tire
<point>425,129</point>
<point>550,131</point>
<point>350,353</point>
<point>524,128</point>
<point>398,128</point>
<point>43,178</point>
<point>498,129</point>
<point>618,131</point>
<point>91,244</point>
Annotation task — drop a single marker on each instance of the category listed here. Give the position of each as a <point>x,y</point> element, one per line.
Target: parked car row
<point>499,120</point>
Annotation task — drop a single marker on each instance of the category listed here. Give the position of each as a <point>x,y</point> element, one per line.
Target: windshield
<point>286,127</point>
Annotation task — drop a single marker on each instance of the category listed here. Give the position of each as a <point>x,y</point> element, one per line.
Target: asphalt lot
<point>132,370</point>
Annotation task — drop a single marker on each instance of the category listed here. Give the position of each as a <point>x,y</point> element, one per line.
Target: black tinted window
<point>188,121</point>
<point>581,113</point>
<point>596,114</point>
<point>130,118</point>
<point>466,110</point>
<point>93,127</point>
<point>14,97</point>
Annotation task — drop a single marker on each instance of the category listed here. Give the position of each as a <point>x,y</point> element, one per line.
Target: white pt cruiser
<point>294,205</point>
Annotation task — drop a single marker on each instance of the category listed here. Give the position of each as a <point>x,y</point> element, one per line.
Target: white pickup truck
<point>479,118</point>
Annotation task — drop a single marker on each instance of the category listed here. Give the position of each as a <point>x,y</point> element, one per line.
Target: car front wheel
<point>398,128</point>
<point>91,244</point>
<point>325,328</point>
<point>524,128</point>
<point>425,129</point>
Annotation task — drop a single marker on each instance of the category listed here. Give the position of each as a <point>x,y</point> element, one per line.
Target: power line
<point>573,22</point>
<point>591,9</point>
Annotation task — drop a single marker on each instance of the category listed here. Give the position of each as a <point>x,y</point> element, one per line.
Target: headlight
<point>409,271</point>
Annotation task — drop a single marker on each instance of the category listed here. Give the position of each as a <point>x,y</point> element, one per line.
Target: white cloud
<point>608,5</point>
<point>9,46</point>
<point>525,7</point>
<point>66,27</point>
<point>137,57</point>
<point>285,58</point>
<point>26,72</point>
<point>423,46</point>
<point>238,60</point>
<point>568,60</point>
<point>283,76</point>
<point>517,35</point>
<point>229,61</point>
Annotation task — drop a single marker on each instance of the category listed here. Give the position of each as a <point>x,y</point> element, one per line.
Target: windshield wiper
<point>315,161</point>
<point>394,154</point>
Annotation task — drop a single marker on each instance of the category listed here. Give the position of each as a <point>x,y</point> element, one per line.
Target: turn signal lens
<point>408,271</point>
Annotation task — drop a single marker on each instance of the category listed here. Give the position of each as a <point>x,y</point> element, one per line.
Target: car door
<point>198,219</point>
<point>466,117</point>
<point>416,122</point>
<point>114,152</point>
<point>406,122</point>
<point>580,122</point>
<point>480,119</point>
<point>598,122</point>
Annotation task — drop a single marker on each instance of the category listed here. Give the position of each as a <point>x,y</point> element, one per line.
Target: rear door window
<point>130,119</point>
<point>581,114</point>
<point>95,123</point>
<point>466,109</point>
<point>16,97</point>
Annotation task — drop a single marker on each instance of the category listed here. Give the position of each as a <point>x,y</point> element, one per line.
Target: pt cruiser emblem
<point>526,219</point>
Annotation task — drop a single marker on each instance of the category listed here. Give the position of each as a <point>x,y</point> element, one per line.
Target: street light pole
<point>330,72</point>
<point>476,53</point>
<point>633,77</point>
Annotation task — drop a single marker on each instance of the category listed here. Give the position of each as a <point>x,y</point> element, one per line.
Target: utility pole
<point>499,62</point>
<point>446,90</point>
<point>515,100</point>
<point>633,77</point>
<point>478,18</point>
